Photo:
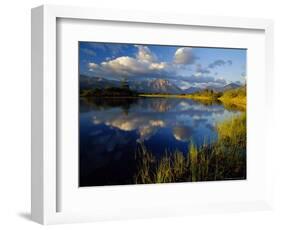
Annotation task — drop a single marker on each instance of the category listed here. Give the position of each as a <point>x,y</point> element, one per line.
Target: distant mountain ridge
<point>152,86</point>
<point>224,88</point>
<point>156,86</point>
<point>231,86</point>
<point>87,82</point>
<point>191,90</point>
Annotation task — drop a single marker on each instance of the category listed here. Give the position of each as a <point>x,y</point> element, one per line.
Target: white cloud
<point>158,66</point>
<point>126,65</point>
<point>219,62</point>
<point>197,74</point>
<point>145,54</point>
<point>184,55</point>
<point>145,62</point>
<point>220,80</point>
<point>145,65</point>
<point>200,70</point>
<point>92,65</point>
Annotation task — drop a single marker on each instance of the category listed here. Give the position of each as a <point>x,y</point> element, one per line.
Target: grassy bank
<point>229,102</point>
<point>235,96</point>
<point>223,160</point>
<point>239,102</point>
<point>232,96</point>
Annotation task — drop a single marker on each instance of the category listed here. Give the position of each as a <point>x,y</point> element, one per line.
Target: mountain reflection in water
<point>112,128</point>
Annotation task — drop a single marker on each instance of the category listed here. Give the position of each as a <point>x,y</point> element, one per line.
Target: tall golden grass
<point>224,159</point>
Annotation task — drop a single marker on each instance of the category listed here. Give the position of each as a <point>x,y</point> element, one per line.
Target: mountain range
<point>153,86</point>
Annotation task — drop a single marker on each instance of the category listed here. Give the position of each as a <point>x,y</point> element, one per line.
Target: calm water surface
<point>111,130</point>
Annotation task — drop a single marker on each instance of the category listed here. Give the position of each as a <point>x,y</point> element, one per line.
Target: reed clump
<point>222,160</point>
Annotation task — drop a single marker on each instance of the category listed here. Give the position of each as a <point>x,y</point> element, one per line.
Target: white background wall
<point>15,112</point>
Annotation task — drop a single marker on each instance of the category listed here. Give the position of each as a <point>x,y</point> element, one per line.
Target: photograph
<point>154,113</point>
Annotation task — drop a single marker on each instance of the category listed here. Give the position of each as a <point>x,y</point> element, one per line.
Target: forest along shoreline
<point>236,96</point>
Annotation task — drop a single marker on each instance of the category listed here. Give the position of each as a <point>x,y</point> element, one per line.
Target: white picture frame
<point>45,182</point>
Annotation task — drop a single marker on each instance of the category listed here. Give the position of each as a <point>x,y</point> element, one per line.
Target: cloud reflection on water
<point>110,129</point>
<point>147,116</point>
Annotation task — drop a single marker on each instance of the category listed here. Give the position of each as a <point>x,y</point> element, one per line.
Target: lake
<point>111,131</point>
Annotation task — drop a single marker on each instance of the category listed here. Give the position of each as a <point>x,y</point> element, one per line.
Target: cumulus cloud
<point>184,55</point>
<point>221,81</point>
<point>145,62</point>
<point>216,63</point>
<point>199,70</point>
<point>125,65</point>
<point>159,66</point>
<point>219,62</point>
<point>92,66</point>
<point>145,65</point>
<point>144,54</point>
<point>202,81</point>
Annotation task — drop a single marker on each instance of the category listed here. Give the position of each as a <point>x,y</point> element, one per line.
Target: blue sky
<point>184,66</point>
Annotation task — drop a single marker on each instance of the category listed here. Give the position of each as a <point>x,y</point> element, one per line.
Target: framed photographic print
<point>153,114</point>
<point>137,114</point>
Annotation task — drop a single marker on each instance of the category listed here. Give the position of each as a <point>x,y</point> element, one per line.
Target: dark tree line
<point>122,91</point>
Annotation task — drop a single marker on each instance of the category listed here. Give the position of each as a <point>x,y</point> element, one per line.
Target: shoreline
<point>236,101</point>
<point>233,101</point>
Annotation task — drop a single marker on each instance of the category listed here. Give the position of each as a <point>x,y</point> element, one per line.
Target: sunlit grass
<point>179,164</point>
<point>233,131</point>
<point>164,170</point>
<point>222,160</point>
<point>238,101</point>
<point>235,96</point>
